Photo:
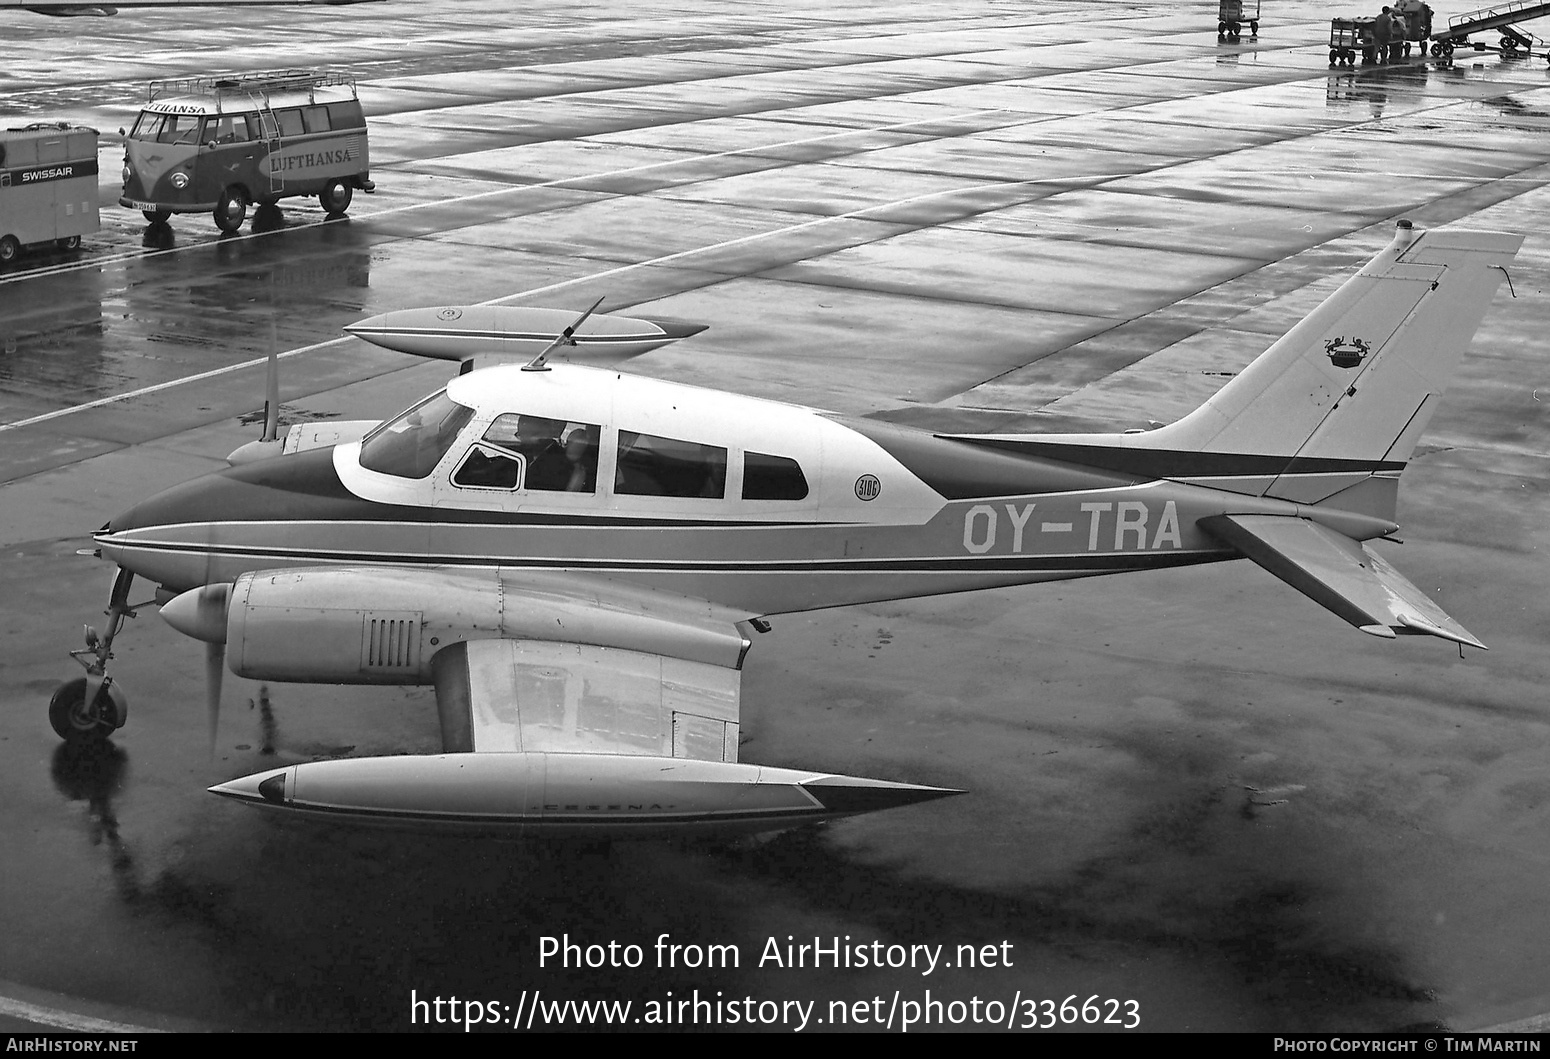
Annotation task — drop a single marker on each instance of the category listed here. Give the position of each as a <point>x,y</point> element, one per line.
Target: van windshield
<point>411,445</point>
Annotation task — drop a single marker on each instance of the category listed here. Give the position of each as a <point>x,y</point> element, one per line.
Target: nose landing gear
<point>91,708</point>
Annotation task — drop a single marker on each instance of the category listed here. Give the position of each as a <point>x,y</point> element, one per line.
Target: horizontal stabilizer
<point>1339,573</point>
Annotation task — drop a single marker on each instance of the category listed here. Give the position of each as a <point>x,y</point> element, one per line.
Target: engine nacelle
<point>371,625</point>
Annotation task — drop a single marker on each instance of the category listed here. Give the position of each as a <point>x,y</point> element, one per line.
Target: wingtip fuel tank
<point>455,332</point>
<point>601,795</point>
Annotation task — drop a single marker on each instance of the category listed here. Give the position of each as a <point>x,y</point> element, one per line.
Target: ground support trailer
<point>48,187</point>
<point>1233,15</point>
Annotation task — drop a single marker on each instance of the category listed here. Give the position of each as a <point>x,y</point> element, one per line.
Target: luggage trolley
<point>1347,36</point>
<point>1232,14</point>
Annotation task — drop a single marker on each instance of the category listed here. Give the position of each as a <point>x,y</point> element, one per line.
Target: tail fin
<point>1359,378</point>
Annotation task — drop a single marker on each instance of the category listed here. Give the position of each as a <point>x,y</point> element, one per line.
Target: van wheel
<point>335,196</point>
<point>10,249</point>
<point>157,216</point>
<point>68,243</point>
<point>231,210</point>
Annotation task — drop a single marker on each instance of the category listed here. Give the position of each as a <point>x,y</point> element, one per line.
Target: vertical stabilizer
<point>1360,376</point>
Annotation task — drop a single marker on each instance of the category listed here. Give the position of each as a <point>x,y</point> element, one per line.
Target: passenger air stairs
<point>1503,17</point>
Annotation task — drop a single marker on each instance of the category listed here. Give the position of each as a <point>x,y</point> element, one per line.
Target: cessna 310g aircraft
<point>570,555</point>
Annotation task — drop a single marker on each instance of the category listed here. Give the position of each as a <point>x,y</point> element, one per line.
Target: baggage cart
<point>1347,37</point>
<point>1232,15</point>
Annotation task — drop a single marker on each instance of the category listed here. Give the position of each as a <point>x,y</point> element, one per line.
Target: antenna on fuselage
<point>562,339</point>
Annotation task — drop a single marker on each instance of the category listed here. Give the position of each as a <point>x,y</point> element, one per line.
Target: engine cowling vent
<point>390,640</point>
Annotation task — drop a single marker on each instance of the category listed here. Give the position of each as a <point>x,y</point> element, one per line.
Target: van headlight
<point>127,174</point>
<point>180,180</point>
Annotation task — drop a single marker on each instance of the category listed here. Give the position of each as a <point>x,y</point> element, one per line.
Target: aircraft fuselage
<point>885,512</point>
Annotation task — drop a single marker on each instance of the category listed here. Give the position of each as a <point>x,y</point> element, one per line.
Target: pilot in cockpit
<point>538,439</point>
<point>581,451</point>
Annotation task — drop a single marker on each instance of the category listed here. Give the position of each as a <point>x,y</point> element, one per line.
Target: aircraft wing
<point>534,696</point>
<point>567,703</point>
<point>1339,573</point>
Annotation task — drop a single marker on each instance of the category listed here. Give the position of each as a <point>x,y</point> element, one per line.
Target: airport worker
<point>1382,29</point>
<point>1398,30</point>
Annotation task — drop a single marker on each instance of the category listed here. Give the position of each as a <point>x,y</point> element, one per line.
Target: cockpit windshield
<point>411,445</point>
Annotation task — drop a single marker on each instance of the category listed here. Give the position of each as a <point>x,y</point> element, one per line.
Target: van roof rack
<point>247,86</point>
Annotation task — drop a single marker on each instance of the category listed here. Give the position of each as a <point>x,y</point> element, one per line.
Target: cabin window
<point>290,122</point>
<point>559,455</point>
<point>767,477</point>
<point>316,119</point>
<point>657,466</point>
<point>411,445</point>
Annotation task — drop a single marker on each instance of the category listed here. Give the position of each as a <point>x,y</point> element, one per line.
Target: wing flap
<point>1339,573</point>
<point>533,696</point>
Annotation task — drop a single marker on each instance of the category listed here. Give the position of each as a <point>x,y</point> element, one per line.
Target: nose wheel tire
<point>335,196</point>
<point>75,721</point>
<point>231,210</point>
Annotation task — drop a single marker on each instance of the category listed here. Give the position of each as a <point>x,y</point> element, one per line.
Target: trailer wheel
<point>1254,29</point>
<point>1334,56</point>
<point>231,209</point>
<point>10,249</point>
<point>335,196</point>
<point>1221,29</point>
<point>156,216</point>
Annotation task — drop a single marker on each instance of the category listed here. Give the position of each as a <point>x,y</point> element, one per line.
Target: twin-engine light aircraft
<point>570,555</point>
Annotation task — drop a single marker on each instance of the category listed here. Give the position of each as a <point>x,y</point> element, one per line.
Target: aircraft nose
<point>301,486</point>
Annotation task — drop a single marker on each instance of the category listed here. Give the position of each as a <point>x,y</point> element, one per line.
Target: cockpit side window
<point>558,455</point>
<point>657,466</point>
<point>767,477</point>
<point>411,445</point>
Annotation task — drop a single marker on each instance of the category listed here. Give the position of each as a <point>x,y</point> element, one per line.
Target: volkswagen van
<point>222,144</point>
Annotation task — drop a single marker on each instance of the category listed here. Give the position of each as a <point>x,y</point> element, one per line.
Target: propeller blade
<point>537,363</point>
<point>215,664</point>
<point>272,387</point>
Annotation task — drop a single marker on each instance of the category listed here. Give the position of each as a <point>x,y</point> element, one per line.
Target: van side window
<point>316,119</point>
<point>290,122</point>
<point>259,129</point>
<point>768,477</point>
<point>180,128</point>
<point>227,129</point>
<point>656,466</point>
<point>346,115</point>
